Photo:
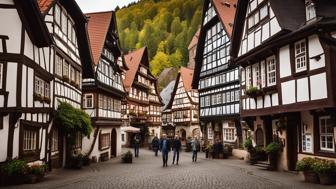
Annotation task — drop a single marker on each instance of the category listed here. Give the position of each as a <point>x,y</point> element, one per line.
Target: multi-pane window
<point>46,89</point>
<point>30,142</point>
<point>216,48</point>
<point>326,134</point>
<point>257,16</point>
<point>88,101</point>
<point>65,23</point>
<point>72,74</point>
<point>271,71</point>
<point>229,134</point>
<point>310,10</point>
<point>58,65</point>
<point>256,76</point>
<point>78,140</point>
<point>57,14</point>
<point>248,77</point>
<point>1,75</point>
<point>65,69</point>
<point>54,140</point>
<point>104,141</point>
<point>300,56</point>
<point>209,14</point>
<point>39,86</point>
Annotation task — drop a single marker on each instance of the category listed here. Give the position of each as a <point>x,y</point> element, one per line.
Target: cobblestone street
<point>147,172</point>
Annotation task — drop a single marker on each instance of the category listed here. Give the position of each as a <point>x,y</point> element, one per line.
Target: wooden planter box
<point>33,178</point>
<point>327,178</point>
<point>311,177</point>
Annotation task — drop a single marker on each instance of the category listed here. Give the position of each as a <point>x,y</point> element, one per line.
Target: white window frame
<point>300,51</point>
<point>229,134</point>
<point>39,86</point>
<point>54,141</point>
<point>326,135</point>
<point>30,142</point>
<point>85,104</point>
<point>58,65</point>
<point>271,71</point>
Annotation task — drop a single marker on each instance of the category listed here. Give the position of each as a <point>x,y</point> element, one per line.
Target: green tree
<point>159,62</point>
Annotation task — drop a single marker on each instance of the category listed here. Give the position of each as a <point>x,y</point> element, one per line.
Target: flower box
<point>254,92</point>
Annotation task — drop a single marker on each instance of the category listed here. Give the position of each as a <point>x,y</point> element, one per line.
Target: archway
<point>259,137</point>
<point>114,143</point>
<point>183,134</point>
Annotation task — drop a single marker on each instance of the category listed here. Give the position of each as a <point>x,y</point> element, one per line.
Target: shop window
<point>326,134</point>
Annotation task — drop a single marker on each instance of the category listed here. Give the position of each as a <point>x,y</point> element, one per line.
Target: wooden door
<point>114,143</point>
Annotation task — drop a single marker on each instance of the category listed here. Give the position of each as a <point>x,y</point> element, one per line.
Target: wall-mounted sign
<point>307,143</point>
<point>210,132</point>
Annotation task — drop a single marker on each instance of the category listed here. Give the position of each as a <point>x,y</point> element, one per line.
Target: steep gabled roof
<point>98,26</point>
<point>133,60</point>
<point>34,24</point>
<point>187,76</point>
<point>194,40</point>
<point>80,27</point>
<point>226,10</point>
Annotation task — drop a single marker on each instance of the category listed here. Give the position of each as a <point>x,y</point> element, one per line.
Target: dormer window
<point>310,10</point>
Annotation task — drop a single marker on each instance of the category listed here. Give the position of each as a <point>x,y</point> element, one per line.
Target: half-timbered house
<point>287,51</point>
<point>183,106</point>
<point>216,79</point>
<point>26,80</point>
<point>102,94</point>
<point>144,103</point>
<point>72,60</point>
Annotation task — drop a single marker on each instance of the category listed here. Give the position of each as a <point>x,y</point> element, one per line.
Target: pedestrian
<point>136,145</point>
<point>195,145</point>
<point>156,145</point>
<point>164,148</point>
<point>176,149</point>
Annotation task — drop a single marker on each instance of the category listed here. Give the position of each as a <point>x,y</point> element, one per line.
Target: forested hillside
<point>165,26</point>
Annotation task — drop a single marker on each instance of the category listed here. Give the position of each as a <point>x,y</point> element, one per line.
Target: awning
<point>130,129</point>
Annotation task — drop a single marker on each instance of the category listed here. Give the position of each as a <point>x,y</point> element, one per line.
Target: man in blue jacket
<point>164,148</point>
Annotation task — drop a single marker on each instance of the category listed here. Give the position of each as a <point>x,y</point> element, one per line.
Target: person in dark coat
<point>156,145</point>
<point>195,146</point>
<point>164,148</point>
<point>136,145</point>
<point>176,149</point>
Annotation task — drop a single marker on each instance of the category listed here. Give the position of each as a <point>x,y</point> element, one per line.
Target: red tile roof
<point>133,60</point>
<point>194,40</point>
<point>44,5</point>
<point>187,76</point>
<point>98,26</point>
<point>226,10</point>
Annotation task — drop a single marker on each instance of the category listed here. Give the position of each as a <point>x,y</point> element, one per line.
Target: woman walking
<point>176,149</point>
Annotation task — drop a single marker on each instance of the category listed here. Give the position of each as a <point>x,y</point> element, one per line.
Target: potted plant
<point>227,151</point>
<point>306,166</point>
<point>326,170</point>
<point>14,172</point>
<point>248,144</point>
<point>253,91</point>
<point>36,173</point>
<point>272,149</point>
<point>127,157</point>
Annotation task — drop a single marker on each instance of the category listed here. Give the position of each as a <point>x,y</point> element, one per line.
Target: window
<point>54,140</point>
<point>64,22</point>
<point>66,69</point>
<point>104,141</point>
<point>248,77</point>
<point>39,86</point>
<point>78,140</point>
<point>229,134</point>
<point>256,76</point>
<point>1,75</point>
<point>46,89</point>
<point>72,74</point>
<point>271,71</point>
<point>58,65</point>
<point>255,18</point>
<point>310,11</point>
<point>30,140</point>
<point>88,101</point>
<point>123,137</point>
<point>263,12</point>
<point>300,56</point>
<point>326,134</point>
<point>77,77</point>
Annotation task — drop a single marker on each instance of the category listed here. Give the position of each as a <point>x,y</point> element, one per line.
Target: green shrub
<point>15,167</point>
<point>272,148</point>
<point>248,144</point>
<point>38,169</point>
<point>305,164</point>
<point>127,155</point>
<point>324,166</point>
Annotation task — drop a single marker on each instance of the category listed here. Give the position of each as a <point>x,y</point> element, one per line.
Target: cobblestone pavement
<point>147,172</point>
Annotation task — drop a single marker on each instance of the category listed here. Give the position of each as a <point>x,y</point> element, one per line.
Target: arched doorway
<point>196,133</point>
<point>114,143</point>
<point>259,137</point>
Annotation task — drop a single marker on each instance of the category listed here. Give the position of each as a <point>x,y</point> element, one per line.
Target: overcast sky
<point>101,5</point>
